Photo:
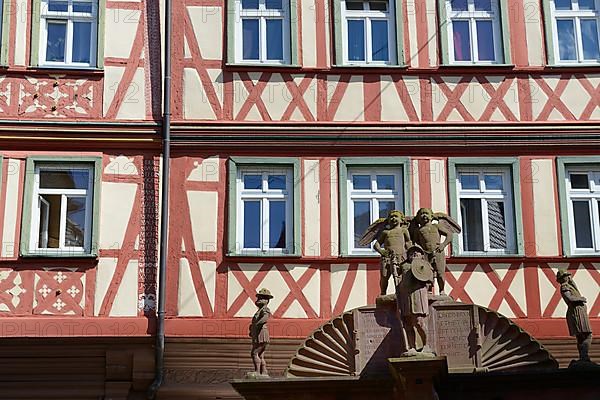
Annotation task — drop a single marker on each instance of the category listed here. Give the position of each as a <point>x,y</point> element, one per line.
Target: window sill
<point>369,66</point>
<point>488,255</point>
<point>60,255</point>
<point>582,255</point>
<point>46,69</point>
<point>254,254</point>
<point>261,65</point>
<point>478,65</point>
<point>574,65</point>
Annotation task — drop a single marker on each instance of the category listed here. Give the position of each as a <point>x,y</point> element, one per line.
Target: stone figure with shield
<point>412,251</point>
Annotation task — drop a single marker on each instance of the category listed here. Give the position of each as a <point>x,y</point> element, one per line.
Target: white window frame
<point>368,16</point>
<point>472,16</point>
<point>265,195</point>
<point>576,15</point>
<point>68,18</point>
<point>592,195</point>
<point>262,14</point>
<point>373,195</point>
<point>484,195</point>
<point>35,209</point>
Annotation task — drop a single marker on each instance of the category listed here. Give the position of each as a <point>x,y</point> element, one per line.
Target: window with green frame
<point>485,198</point>
<point>61,206</point>
<point>369,191</point>
<point>368,33</point>
<point>474,32</point>
<point>67,33</point>
<point>4,30</point>
<point>263,32</point>
<point>579,190</point>
<point>264,206</point>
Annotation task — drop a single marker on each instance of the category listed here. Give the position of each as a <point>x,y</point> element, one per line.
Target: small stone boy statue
<point>259,332</point>
<point>578,320</point>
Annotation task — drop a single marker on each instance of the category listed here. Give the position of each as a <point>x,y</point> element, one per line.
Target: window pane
<point>75,229</point>
<point>250,39</point>
<point>472,224</point>
<point>273,4</point>
<point>497,224</point>
<point>385,207</point>
<point>469,181</point>
<point>274,39</point>
<point>589,35</point>
<point>276,182</point>
<point>362,220</point>
<point>562,4</point>
<point>55,46</point>
<point>64,179</point>
<point>493,182</point>
<point>379,40</point>
<point>485,40</point>
<point>483,5</point>
<point>458,5</point>
<point>277,224</point>
<point>356,40</point>
<point>58,6</point>
<point>378,5</point>
<point>82,7</point>
<point>587,5</point>
<point>566,39</point>
<point>354,5</point>
<point>583,227</point>
<point>579,181</point>
<point>250,4</point>
<point>385,182</point>
<point>252,224</point>
<point>82,34</point>
<point>252,182</point>
<point>462,40</point>
<point>49,233</point>
<point>361,182</point>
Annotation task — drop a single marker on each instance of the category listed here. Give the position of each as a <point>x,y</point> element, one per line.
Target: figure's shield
<point>422,270</point>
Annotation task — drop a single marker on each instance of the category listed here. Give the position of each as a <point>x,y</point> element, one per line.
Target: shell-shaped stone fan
<point>328,351</point>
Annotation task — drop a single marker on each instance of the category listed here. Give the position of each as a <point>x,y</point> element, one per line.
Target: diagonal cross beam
<point>249,287</point>
<point>458,291</point>
<point>503,288</point>
<point>254,96</point>
<point>454,98</point>
<point>594,93</point>
<point>296,292</point>
<point>554,102</point>
<point>497,99</point>
<point>297,101</point>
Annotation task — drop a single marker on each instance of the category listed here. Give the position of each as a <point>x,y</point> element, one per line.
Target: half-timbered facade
<point>79,189</point>
<point>298,123</point>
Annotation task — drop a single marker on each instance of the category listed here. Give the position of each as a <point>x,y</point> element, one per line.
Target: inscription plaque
<point>456,335</point>
<point>378,337</point>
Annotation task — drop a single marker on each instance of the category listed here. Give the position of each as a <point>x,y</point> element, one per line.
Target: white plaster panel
<point>439,201</point>
<point>206,170</point>
<point>203,215</point>
<point>23,15</point>
<point>116,204</point>
<point>121,165</point>
<point>125,304</point>
<point>112,77</point>
<point>432,29</point>
<point>439,99</point>
<point>575,97</point>
<point>10,208</point>
<point>209,276</point>
<point>196,104</point>
<point>104,273</point>
<point>413,61</point>
<point>312,217</point>
<point>134,103</point>
<point>392,105</point>
<point>544,207</point>
<point>534,32</point>
<point>351,106</point>
<point>358,296</point>
<point>120,27</point>
<point>207,25</point>
<point>415,187</point>
<point>309,33</point>
<point>187,300</point>
<point>335,218</point>
<point>479,288</point>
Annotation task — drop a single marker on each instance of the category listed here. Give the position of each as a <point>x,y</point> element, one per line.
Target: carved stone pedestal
<point>418,378</point>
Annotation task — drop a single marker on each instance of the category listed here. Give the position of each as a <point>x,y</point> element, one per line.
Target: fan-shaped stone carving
<point>473,338</point>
